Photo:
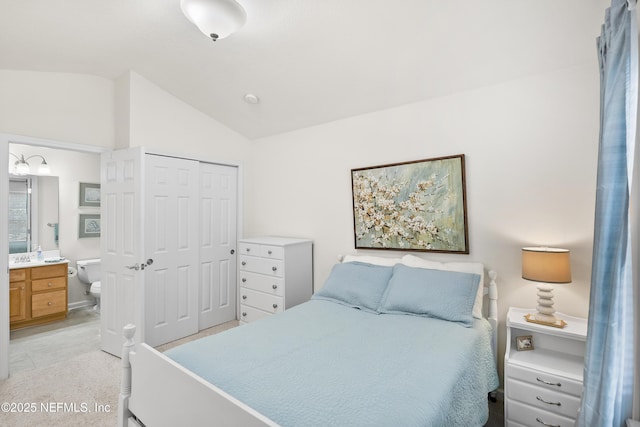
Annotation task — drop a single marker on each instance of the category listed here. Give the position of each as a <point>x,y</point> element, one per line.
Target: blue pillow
<point>356,284</point>
<point>446,295</point>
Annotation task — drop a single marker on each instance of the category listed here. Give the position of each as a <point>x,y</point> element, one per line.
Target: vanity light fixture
<point>217,19</point>
<point>23,168</point>
<point>546,266</point>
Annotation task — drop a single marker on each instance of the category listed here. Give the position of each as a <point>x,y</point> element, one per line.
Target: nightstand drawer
<point>271,267</point>
<point>550,400</point>
<point>545,380</point>
<point>534,417</point>
<point>265,302</point>
<point>259,282</point>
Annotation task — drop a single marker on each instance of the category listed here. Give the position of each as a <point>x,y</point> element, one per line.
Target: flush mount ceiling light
<point>215,18</point>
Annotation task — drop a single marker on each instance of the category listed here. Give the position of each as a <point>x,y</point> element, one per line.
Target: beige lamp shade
<point>550,265</point>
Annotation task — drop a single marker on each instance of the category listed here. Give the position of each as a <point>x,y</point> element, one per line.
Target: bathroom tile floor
<point>40,346</point>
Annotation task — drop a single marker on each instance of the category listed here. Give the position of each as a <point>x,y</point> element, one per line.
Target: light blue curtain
<point>609,361</point>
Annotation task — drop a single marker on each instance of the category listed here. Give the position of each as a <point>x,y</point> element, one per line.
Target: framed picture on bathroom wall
<point>89,225</point>
<point>89,195</point>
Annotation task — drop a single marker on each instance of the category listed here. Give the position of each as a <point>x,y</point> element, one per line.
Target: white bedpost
<point>492,316</point>
<point>125,387</point>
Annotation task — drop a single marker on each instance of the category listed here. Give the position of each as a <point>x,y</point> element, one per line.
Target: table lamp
<point>546,266</point>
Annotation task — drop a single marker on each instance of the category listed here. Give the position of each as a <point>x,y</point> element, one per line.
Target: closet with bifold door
<point>169,230</point>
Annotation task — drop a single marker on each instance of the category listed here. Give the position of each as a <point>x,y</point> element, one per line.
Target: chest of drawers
<point>274,273</point>
<point>543,386</point>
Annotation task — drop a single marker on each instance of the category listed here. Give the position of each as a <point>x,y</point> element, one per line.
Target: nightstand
<point>543,385</point>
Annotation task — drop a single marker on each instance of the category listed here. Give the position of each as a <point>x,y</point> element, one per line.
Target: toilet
<point>89,274</point>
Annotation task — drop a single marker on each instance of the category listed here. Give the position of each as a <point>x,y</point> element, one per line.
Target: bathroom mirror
<point>33,213</point>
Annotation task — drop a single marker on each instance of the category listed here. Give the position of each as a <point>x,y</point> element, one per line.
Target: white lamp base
<point>545,310</point>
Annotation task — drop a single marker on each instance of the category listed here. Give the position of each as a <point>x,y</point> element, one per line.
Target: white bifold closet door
<point>191,236</point>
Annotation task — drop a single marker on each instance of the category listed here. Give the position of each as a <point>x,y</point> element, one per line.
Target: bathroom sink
<point>36,263</point>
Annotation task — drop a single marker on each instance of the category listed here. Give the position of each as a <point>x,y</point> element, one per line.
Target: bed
<point>397,344</point>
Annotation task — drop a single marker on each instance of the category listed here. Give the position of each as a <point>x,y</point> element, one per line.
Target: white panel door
<point>218,221</point>
<point>171,241</point>
<point>121,246</point>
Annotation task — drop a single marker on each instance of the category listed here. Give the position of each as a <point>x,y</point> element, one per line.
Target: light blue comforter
<point>325,364</point>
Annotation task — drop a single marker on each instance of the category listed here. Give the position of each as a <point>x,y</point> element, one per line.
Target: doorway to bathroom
<point>56,229</point>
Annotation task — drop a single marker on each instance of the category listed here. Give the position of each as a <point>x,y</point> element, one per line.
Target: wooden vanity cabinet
<point>37,295</point>
<point>17,294</point>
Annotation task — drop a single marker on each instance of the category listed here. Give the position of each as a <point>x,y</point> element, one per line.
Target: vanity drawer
<point>48,284</point>
<point>259,282</point>
<point>259,300</point>
<point>48,303</point>
<point>545,380</point>
<point>18,275</point>
<point>550,400</point>
<point>271,267</point>
<point>56,270</point>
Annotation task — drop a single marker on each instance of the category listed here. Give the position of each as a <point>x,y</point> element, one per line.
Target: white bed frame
<point>157,392</point>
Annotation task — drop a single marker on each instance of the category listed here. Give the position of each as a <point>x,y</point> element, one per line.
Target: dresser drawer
<point>248,249</point>
<point>259,282</point>
<point>56,270</point>
<point>540,397</point>
<point>18,275</point>
<point>48,284</point>
<point>273,252</point>
<point>545,380</point>
<point>271,267</point>
<point>534,417</point>
<point>265,302</point>
<point>250,314</point>
<point>48,303</point>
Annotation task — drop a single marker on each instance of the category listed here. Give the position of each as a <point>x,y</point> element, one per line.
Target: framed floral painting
<point>416,206</point>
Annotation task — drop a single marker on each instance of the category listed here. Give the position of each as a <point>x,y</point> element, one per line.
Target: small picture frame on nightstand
<point>524,342</point>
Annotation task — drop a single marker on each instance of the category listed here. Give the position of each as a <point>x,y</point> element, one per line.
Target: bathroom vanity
<point>37,292</point>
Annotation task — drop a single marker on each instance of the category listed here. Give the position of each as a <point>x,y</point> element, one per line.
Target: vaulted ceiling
<point>309,61</point>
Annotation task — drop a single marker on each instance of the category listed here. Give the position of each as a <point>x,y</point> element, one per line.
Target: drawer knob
<point>50,284</point>
<point>244,263</point>
<point>49,303</point>
<point>275,306</point>
<point>269,252</point>
<point>248,249</point>
<point>274,286</point>
<point>548,403</point>
<point>274,268</point>
<point>244,280</point>
<point>547,382</point>
<point>244,297</point>
<point>546,424</point>
<point>244,314</point>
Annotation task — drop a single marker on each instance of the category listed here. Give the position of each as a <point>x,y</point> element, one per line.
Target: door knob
<point>135,267</point>
<point>146,264</point>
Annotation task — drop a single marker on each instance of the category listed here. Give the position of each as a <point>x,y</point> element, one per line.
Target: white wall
<point>59,106</point>
<point>530,147</point>
<point>161,121</point>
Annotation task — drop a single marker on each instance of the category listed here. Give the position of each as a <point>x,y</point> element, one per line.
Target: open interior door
<point>122,250</point>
